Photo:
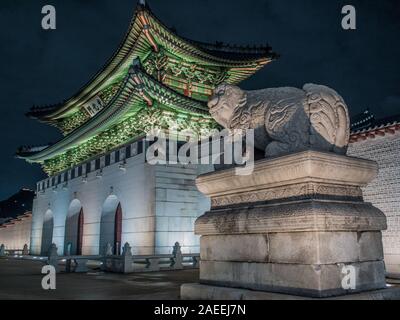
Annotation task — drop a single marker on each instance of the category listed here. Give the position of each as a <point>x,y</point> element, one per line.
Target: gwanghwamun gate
<point>100,189</point>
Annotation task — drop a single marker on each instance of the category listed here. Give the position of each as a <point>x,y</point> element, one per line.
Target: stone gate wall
<point>384,192</point>
<point>16,233</point>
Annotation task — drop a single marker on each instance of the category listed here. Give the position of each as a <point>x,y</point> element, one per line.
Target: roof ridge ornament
<point>142,3</point>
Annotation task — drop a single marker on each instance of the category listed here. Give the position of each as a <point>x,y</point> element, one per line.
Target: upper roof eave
<point>105,117</point>
<point>381,127</point>
<point>243,55</point>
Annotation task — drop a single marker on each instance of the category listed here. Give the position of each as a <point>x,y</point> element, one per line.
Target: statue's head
<point>224,101</point>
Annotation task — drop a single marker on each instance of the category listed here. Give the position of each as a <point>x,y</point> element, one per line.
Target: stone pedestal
<point>294,227</point>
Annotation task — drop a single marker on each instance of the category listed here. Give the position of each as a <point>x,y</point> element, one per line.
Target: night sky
<point>41,67</point>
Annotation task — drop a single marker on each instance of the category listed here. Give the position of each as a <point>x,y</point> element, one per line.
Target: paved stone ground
<point>22,280</point>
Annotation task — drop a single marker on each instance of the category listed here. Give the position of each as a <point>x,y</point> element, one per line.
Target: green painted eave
<point>128,101</point>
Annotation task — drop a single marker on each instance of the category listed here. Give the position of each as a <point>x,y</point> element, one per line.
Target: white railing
<point>13,252</point>
<point>124,263</point>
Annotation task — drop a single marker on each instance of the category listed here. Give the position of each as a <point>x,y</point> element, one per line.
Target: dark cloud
<point>45,67</point>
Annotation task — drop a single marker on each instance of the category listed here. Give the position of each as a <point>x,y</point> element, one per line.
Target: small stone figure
<point>53,251</point>
<point>127,250</point>
<point>108,249</point>
<point>177,249</point>
<point>25,250</point>
<point>53,257</point>
<point>127,259</point>
<point>177,253</point>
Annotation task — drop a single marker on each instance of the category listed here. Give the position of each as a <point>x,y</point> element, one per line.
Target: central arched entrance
<point>47,232</point>
<point>118,230</point>
<point>111,225</point>
<point>74,229</point>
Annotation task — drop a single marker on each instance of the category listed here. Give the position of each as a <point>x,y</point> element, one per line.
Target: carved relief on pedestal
<point>304,190</point>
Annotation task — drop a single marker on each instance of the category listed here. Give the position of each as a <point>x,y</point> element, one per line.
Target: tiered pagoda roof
<point>365,126</point>
<point>362,121</point>
<point>155,77</point>
<point>13,221</point>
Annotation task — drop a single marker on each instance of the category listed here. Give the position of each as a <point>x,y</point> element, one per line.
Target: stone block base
<point>313,248</point>
<point>205,292</point>
<point>285,262</point>
<point>392,262</point>
<point>306,280</point>
<point>298,225</point>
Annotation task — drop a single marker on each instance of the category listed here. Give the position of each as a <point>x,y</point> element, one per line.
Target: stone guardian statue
<point>286,120</point>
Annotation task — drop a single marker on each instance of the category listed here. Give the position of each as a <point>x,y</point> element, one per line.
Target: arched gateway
<point>47,232</point>
<point>111,225</point>
<point>74,229</point>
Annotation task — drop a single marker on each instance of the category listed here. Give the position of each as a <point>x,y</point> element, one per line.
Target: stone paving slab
<point>197,291</point>
<point>22,280</point>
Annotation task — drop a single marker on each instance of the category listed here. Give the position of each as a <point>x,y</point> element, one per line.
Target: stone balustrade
<point>125,263</point>
<point>12,252</point>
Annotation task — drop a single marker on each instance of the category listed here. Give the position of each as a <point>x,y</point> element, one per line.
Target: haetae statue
<point>286,120</point>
